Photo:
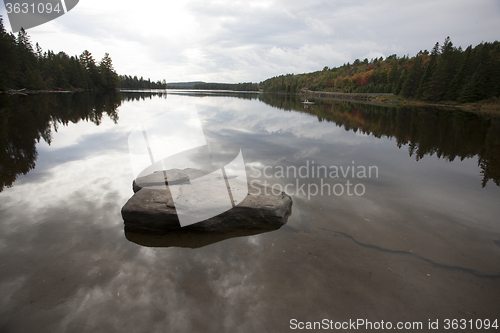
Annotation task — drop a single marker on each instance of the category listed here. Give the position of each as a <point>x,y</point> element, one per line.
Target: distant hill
<point>245,86</point>
<point>183,85</point>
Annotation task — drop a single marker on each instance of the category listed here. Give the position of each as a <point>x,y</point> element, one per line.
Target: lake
<point>395,218</point>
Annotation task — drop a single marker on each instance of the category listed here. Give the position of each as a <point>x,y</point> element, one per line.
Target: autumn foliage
<point>445,73</point>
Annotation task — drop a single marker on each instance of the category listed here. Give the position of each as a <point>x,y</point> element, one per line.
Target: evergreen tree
<point>25,66</point>
<point>411,83</point>
<point>439,79</point>
<point>109,78</point>
<point>430,68</point>
<point>461,76</point>
<point>477,86</point>
<point>8,59</point>
<point>394,73</point>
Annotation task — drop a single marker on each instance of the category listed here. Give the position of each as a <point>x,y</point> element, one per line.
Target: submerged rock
<point>152,206</point>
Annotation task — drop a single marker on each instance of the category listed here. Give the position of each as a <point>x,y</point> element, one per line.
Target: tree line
<point>446,73</point>
<point>23,65</point>
<point>129,82</point>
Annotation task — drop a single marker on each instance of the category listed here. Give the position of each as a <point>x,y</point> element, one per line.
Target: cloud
<point>234,41</point>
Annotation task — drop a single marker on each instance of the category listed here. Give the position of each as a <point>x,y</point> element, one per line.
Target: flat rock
<point>152,207</point>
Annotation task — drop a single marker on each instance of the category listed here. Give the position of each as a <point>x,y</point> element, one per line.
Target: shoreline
<point>46,91</point>
<point>27,91</point>
<point>389,99</point>
<point>490,107</point>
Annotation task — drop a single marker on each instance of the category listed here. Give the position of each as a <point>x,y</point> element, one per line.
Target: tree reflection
<point>449,134</point>
<point>25,120</point>
<point>141,95</point>
<point>218,93</point>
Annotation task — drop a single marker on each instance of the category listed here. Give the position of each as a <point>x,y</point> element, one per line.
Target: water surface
<point>422,241</point>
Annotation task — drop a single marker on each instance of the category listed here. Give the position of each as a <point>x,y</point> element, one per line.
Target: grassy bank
<point>489,106</point>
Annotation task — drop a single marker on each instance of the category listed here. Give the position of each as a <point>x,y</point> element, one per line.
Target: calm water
<point>419,240</point>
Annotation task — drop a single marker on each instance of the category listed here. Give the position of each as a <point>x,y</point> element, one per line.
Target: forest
<point>446,73</point>
<point>129,82</point>
<point>23,65</point>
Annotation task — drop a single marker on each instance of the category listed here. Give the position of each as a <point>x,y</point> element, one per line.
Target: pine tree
<point>476,87</point>
<point>439,81</point>
<point>394,73</point>
<point>110,79</point>
<point>411,83</point>
<point>462,74</point>
<point>9,61</point>
<point>425,82</point>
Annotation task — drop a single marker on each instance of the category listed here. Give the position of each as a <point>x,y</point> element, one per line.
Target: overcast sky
<point>241,41</point>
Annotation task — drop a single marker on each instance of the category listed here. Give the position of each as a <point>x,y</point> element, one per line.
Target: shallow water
<point>418,241</point>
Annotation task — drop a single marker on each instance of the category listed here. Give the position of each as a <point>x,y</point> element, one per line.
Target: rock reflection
<point>187,238</point>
